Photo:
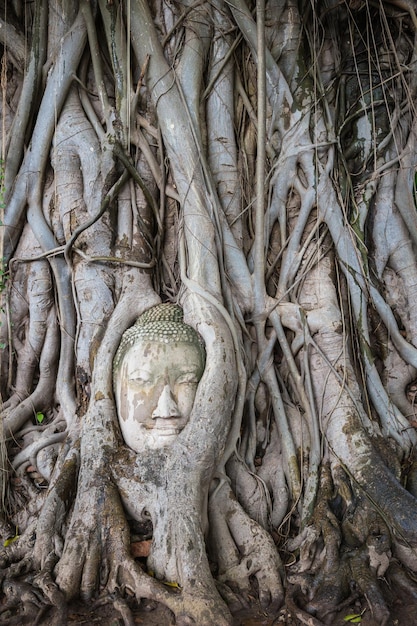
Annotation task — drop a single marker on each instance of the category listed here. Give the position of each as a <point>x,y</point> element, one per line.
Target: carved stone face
<point>155,387</point>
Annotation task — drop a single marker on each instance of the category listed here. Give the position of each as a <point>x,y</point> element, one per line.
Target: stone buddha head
<point>156,371</point>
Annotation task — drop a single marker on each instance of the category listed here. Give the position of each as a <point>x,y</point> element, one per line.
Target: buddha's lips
<point>169,429</point>
<point>165,432</point>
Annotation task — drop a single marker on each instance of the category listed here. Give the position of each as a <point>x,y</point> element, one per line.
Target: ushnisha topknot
<point>162,323</point>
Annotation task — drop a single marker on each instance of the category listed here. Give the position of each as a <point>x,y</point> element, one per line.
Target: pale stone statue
<point>157,368</point>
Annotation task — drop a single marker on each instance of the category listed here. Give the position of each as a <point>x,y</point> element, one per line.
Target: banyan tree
<point>248,167</point>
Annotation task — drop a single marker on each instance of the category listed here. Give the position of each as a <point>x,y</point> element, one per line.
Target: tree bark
<point>253,162</point>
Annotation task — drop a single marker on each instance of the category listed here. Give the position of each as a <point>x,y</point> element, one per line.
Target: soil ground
<point>404,613</point>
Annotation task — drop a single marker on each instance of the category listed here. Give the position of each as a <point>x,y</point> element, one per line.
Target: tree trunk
<point>255,164</point>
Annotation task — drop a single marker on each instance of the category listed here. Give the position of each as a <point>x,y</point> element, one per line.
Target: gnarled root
<point>244,551</point>
<point>344,553</point>
<point>97,560</point>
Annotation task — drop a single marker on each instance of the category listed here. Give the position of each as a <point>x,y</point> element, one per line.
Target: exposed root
<point>326,583</point>
<point>244,551</point>
<point>283,218</point>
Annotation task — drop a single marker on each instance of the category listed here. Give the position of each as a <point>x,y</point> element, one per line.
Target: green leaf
<point>40,417</point>
<point>169,584</point>
<point>354,618</point>
<point>10,540</point>
<point>165,582</point>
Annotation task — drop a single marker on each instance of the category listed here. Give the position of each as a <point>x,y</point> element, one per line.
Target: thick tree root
<point>346,558</point>
<point>244,551</point>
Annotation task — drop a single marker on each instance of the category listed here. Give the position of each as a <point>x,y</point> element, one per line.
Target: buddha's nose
<point>166,407</point>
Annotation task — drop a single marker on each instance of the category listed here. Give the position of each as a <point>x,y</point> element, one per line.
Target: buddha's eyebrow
<point>188,369</point>
<point>140,370</point>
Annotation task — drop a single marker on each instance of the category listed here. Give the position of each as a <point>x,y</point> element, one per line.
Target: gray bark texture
<point>254,162</point>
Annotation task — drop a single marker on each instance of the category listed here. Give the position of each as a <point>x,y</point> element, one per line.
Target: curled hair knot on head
<point>162,323</point>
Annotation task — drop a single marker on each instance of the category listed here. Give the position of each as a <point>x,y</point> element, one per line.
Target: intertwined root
<point>244,552</point>
<point>116,200</point>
